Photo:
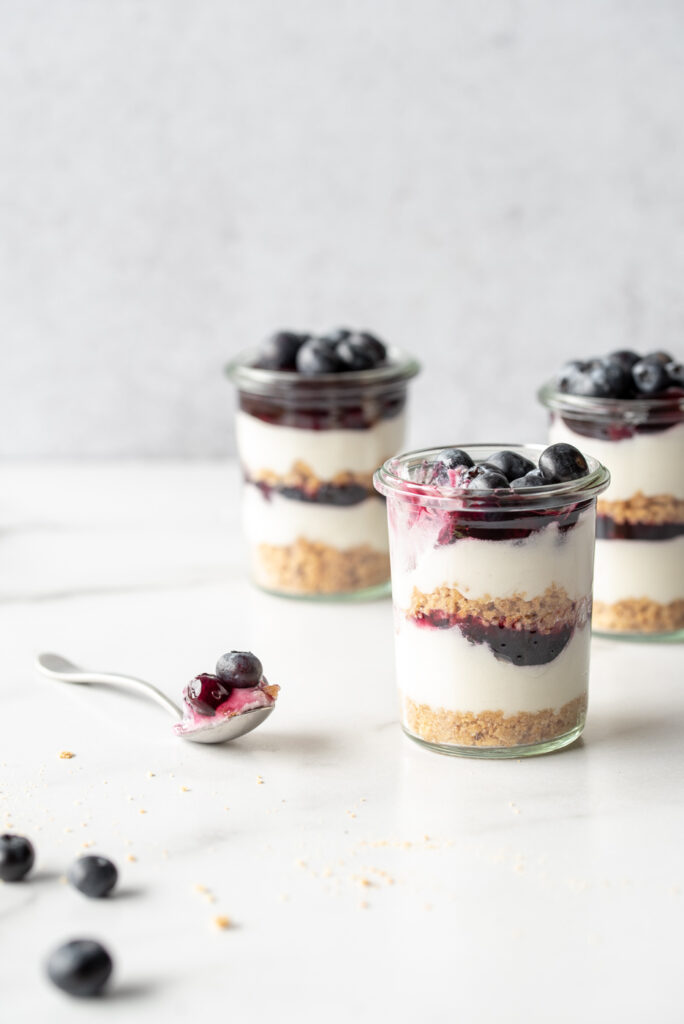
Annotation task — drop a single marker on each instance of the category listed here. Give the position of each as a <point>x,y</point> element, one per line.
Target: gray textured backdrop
<point>497,186</point>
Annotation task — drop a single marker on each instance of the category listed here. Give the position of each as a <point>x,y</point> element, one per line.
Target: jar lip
<point>665,409</point>
<point>389,481</point>
<point>401,366</point>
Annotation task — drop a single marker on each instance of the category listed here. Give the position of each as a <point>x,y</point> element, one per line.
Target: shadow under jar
<point>639,575</point>
<point>492,602</point>
<point>309,446</point>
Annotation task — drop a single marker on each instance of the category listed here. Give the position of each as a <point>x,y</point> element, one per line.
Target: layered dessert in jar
<point>628,411</point>
<point>317,415</point>
<point>492,560</point>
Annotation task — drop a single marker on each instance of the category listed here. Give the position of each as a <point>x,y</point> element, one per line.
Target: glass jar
<point>639,577</point>
<point>309,446</point>
<point>492,602</point>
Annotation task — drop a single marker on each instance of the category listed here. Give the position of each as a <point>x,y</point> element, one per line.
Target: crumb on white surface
<point>222,921</point>
<point>66,755</point>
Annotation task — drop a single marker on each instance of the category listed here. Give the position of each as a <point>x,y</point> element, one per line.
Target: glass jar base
<point>674,637</point>
<point>501,753</point>
<point>374,593</point>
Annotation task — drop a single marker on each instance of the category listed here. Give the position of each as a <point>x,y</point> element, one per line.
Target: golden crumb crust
<point>542,613</point>
<point>654,509</point>
<point>638,615</point>
<point>309,567</point>
<point>492,728</point>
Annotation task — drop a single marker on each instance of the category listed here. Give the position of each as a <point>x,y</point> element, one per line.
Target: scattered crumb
<point>259,780</point>
<point>197,887</point>
<point>300,863</point>
<point>514,807</point>
<point>363,905</point>
<point>183,789</point>
<point>151,775</point>
<point>222,922</point>
<point>88,842</point>
<point>68,830</point>
<point>351,814</point>
<point>131,858</point>
<point>142,811</point>
<point>326,872</point>
<point>428,906</point>
<point>66,755</point>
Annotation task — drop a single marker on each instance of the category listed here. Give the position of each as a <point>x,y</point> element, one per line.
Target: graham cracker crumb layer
<point>492,728</point>
<point>308,567</point>
<point>654,509</point>
<point>302,476</point>
<point>638,615</point>
<point>542,613</point>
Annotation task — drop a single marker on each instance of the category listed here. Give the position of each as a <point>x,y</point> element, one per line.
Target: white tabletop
<point>364,877</point>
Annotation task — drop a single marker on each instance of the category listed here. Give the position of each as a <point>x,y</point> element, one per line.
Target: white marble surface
<point>497,186</point>
<point>518,891</point>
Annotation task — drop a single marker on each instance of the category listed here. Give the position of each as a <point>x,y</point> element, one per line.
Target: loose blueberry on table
<point>238,686</point>
<point>81,967</point>
<point>16,857</point>
<point>93,876</point>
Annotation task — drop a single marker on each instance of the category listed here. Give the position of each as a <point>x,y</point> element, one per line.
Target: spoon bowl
<point>219,729</point>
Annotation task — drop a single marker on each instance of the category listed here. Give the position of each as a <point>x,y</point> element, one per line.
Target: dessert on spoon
<point>216,708</point>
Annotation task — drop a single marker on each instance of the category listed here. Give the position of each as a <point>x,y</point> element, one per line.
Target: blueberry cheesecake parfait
<point>492,559</point>
<point>317,415</point>
<point>628,412</point>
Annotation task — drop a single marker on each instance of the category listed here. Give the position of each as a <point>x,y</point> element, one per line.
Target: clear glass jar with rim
<point>639,575</point>
<point>492,597</point>
<point>308,446</point>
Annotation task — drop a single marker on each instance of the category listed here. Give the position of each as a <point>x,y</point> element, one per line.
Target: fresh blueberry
<point>481,478</point>
<point>240,669</point>
<point>588,381</point>
<point>561,462</point>
<point>81,967</point>
<point>318,355</point>
<point>512,465</point>
<point>449,459</point>
<point>205,692</point>
<point>532,479</point>
<point>568,372</point>
<point>337,334</point>
<point>16,857</point>
<point>279,352</point>
<point>675,372</point>
<point>360,352</point>
<point>617,376</point>
<point>93,876</point>
<point>625,357</point>
<point>650,375</point>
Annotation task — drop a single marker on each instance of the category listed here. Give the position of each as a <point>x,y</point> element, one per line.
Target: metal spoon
<point>217,730</point>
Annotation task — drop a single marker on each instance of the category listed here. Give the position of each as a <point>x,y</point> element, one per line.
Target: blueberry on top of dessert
<point>622,374</point>
<point>504,470</point>
<point>338,351</point>
<point>238,686</point>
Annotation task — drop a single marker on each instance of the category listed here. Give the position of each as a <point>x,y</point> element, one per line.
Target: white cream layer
<point>639,568</point>
<point>264,446</point>
<point>280,521</point>
<point>442,669</point>
<point>650,463</point>
<point>501,568</point>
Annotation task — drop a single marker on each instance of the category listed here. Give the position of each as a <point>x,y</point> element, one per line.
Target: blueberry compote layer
<point>340,495</point>
<point>608,529</point>
<point>518,646</point>
<point>350,414</point>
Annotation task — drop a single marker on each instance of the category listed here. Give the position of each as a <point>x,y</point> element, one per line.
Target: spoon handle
<point>56,667</point>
